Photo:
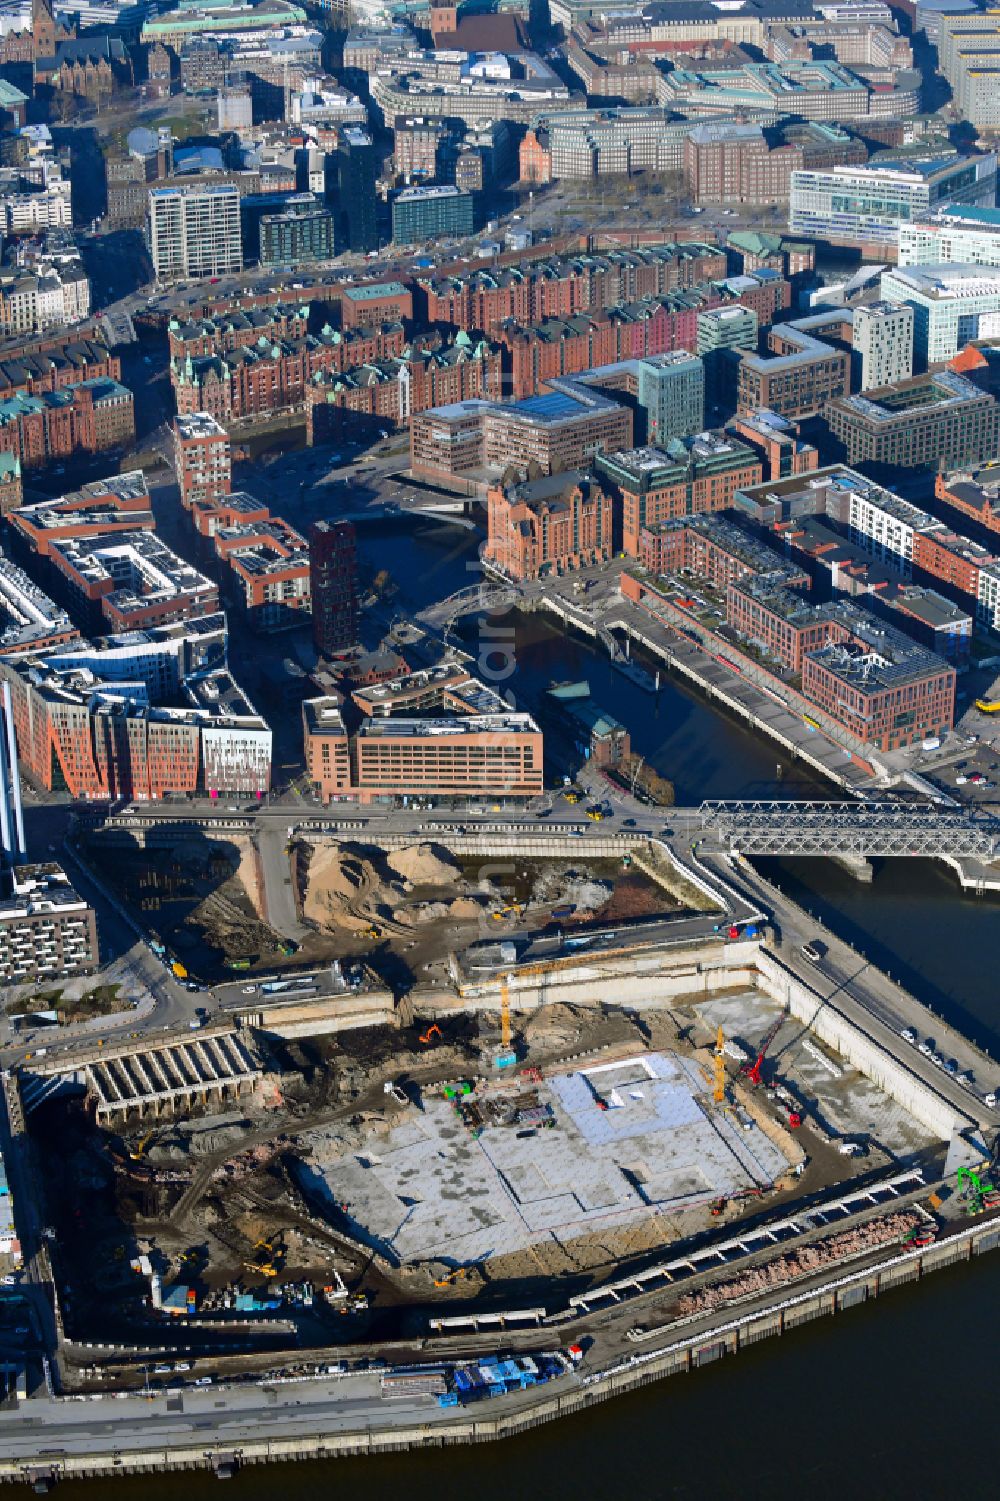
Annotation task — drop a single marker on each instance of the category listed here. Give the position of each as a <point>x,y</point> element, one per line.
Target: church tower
<point>43,31</point>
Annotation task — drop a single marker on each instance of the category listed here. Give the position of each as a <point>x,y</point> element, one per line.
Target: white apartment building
<point>883,344</point>
<point>195,231</point>
<point>886,524</point>
<point>957,233</point>
<point>952,305</point>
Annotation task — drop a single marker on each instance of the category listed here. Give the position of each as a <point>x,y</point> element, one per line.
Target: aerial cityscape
<point>499,744</point>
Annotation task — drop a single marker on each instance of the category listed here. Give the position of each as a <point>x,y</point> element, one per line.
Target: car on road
<point>249,990</point>
<point>937,1060</point>
<point>966,1076</point>
<point>990,1100</point>
<point>203,1380</point>
<point>926,1047</point>
<point>813,950</point>
<point>908,1034</point>
<point>951,1067</point>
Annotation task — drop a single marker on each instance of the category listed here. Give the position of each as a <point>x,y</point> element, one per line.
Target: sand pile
<point>337,879</point>
<point>424,865</point>
<point>464,907</point>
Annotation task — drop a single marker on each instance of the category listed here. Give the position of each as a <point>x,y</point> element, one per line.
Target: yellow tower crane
<point>720,1067</point>
<point>506,1058</point>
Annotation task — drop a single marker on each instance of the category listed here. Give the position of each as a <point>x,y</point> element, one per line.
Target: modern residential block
<point>195,231</point>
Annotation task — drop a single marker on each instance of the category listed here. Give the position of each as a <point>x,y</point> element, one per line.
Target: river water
<point>887,1400</point>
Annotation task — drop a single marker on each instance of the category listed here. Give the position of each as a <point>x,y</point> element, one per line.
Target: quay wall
<point>679,1356</point>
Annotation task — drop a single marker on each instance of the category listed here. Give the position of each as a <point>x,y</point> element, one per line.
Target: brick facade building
<point>548,526</point>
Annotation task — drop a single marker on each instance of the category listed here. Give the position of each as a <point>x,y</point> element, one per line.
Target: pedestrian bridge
<point>476,597</point>
<point>864,830</point>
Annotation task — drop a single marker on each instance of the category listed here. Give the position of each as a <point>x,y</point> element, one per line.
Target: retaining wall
<point>864,1052</point>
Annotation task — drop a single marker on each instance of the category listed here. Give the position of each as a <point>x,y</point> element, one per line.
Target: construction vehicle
<point>373,932</point>
<point>719,1093</point>
<point>428,1037</point>
<point>455,1275</point>
<point>596,814</point>
<point>179,970</point>
<point>502,912</point>
<point>137,1154</point>
<point>506,1058</point>
<point>751,1071</point>
<point>571,796</point>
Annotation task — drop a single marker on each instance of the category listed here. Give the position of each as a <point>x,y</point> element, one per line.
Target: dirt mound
<point>464,907</point>
<point>336,879</point>
<point>424,865</point>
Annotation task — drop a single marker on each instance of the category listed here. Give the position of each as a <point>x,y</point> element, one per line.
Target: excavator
<point>137,1154</point>
<point>269,1262</point>
<point>502,912</point>
<point>455,1275</point>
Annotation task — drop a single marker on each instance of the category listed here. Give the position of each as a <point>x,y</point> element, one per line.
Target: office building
<point>813,90</point>
<point>969,57</point>
<point>866,205</point>
<point>373,303</point>
<point>937,421</point>
<point>882,343</point>
<point>725,328</point>
<point>143,714</point>
<point>47,931</point>
<point>548,526</point>
<point>561,430</point>
<point>952,305</point>
<point>356,167</point>
<point>664,392</point>
<point>958,233</point>
<point>333,572</point>
<point>776,442</point>
<point>286,229</point>
<point>421,214</point>
<point>493,753</point>
<point>803,369</point>
<point>202,458</point>
<point>685,477</point>
<point>195,232</point>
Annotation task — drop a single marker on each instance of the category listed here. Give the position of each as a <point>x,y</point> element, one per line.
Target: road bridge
<point>862,830</point>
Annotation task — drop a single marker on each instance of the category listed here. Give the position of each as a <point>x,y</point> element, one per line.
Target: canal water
<point>886,1401</point>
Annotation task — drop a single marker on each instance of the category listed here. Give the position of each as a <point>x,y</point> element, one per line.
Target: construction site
<point>407,909</point>
<point>354,1187</point>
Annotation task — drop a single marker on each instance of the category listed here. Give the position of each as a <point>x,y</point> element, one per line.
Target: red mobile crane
<point>751,1071</point>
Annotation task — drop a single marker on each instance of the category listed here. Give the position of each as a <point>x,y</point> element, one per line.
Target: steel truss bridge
<point>871,829</point>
